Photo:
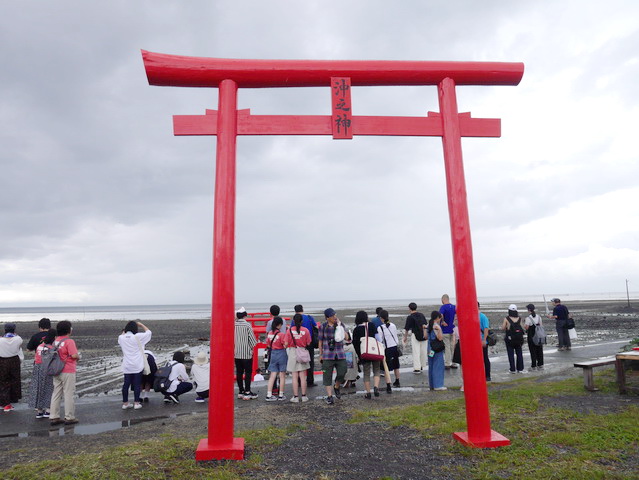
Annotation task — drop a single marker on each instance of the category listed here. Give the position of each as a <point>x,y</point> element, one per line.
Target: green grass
<point>165,457</point>
<point>546,442</point>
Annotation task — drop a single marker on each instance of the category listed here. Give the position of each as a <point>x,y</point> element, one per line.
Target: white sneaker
<point>440,389</point>
<point>295,399</point>
<point>137,406</point>
<point>281,398</point>
<point>304,398</point>
<point>126,405</point>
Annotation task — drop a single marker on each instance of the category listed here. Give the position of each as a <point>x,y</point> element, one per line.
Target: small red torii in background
<point>227,123</point>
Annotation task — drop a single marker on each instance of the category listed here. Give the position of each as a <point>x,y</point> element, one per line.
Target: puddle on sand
<point>93,428</point>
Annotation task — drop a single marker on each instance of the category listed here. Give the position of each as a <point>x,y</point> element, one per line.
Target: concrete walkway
<point>104,413</point>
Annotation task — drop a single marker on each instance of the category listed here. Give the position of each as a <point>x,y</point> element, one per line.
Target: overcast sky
<point>101,204</point>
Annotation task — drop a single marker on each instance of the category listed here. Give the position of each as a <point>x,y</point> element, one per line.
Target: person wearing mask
<point>179,379</point>
<point>365,329</point>
<point>10,357</point>
<point>332,355</point>
<point>64,383</point>
<point>536,351</point>
<point>297,337</point>
<point>41,387</point>
<point>245,342</point>
<point>514,339</point>
<point>387,334</point>
<point>277,360</point>
<point>132,343</point>
<point>435,359</point>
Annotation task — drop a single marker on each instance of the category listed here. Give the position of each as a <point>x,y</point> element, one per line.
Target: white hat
<point>512,307</point>
<point>241,310</point>
<point>200,359</point>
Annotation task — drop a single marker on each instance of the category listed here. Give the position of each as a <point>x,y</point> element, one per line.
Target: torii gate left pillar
<point>227,123</point>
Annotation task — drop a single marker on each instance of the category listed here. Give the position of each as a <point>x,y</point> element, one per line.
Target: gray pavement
<point>104,413</point>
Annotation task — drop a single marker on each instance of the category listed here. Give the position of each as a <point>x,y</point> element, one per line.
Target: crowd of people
<point>371,348</point>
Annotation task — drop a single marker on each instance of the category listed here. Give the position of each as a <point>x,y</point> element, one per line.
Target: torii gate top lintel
<point>185,71</point>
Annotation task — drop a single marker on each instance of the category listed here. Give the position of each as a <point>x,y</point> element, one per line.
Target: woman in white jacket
<point>132,343</point>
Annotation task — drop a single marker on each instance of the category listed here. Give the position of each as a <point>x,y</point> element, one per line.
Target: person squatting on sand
<point>64,383</point>
<point>296,340</point>
<point>365,329</point>
<point>415,323</point>
<point>448,326</point>
<point>41,387</point>
<point>179,379</point>
<point>514,339</point>
<point>132,343</point>
<point>536,351</point>
<point>277,359</point>
<point>200,374</point>
<point>245,342</point>
<point>387,334</point>
<point>435,359</point>
<point>10,357</point>
<point>332,355</point>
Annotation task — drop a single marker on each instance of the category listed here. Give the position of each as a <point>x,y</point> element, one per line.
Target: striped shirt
<point>244,339</point>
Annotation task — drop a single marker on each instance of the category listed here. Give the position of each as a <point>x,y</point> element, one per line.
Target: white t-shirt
<point>10,346</point>
<point>178,375</point>
<point>200,375</point>
<point>533,321</point>
<point>132,362</point>
<point>388,333</point>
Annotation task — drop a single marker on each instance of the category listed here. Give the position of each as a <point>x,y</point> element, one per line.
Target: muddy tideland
<point>99,368</point>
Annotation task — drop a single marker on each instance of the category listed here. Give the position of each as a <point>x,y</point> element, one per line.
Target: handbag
<point>437,345</point>
<point>267,355</point>
<point>570,323</point>
<point>146,370</point>
<point>491,338</point>
<point>371,350</point>
<point>572,334</point>
<point>301,354</point>
<point>339,333</point>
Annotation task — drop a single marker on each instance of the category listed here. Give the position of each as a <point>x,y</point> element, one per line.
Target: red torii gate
<point>227,123</point>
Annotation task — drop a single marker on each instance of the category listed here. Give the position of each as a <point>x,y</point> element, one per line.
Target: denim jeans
<point>436,370</point>
<point>134,379</point>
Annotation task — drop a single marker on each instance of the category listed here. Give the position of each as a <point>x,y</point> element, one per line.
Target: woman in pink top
<point>297,336</point>
<point>41,387</point>
<point>64,384</point>
<point>277,359</point>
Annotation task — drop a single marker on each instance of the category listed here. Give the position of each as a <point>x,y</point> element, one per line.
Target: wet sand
<point>99,368</point>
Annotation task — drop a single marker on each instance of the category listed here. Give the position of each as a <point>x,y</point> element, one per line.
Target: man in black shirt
<point>44,325</point>
<point>560,314</point>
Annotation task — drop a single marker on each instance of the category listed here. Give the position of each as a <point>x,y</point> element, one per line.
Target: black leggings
<point>244,368</point>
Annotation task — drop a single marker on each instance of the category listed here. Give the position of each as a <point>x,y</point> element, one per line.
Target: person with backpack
<point>41,387</point>
<point>296,340</point>
<point>10,357</point>
<point>366,330</point>
<point>387,334</point>
<point>514,339</point>
<point>435,338</point>
<point>416,324</point>
<point>132,343</point>
<point>64,382</point>
<point>310,324</point>
<point>178,378</point>
<point>245,342</point>
<point>332,354</point>
<point>531,325</point>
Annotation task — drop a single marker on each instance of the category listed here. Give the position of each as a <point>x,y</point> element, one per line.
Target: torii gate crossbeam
<point>227,123</point>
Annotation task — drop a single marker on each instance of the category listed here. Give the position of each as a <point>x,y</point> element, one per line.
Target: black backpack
<point>420,323</point>
<point>161,381</point>
<point>515,333</point>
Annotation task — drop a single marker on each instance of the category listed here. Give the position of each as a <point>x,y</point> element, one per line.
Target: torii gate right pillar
<point>477,411</point>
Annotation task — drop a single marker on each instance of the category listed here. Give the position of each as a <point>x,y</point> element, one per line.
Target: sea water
<point>316,308</point>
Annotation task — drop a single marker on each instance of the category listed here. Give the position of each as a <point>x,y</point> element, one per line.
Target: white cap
<point>512,307</point>
<point>241,310</point>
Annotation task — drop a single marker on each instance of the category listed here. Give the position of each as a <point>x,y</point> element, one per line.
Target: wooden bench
<point>621,372</point>
<point>589,383</point>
